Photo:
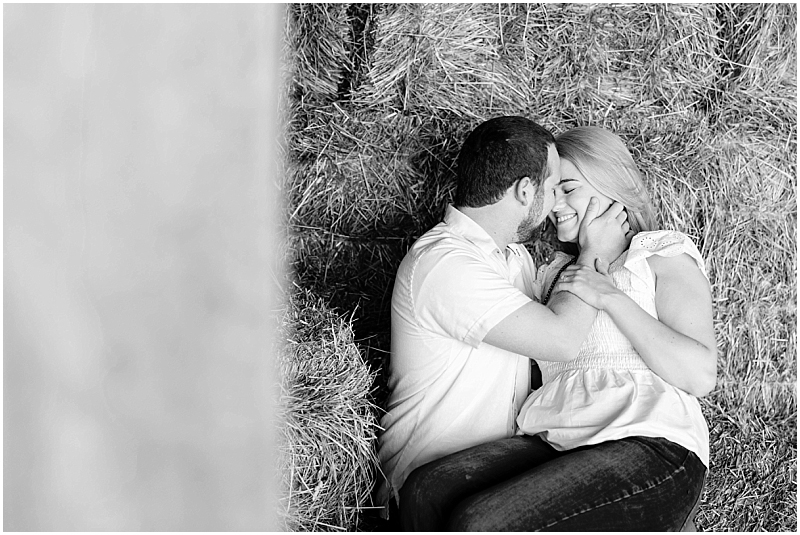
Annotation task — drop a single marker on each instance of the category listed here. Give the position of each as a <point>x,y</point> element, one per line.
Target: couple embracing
<point>614,438</point>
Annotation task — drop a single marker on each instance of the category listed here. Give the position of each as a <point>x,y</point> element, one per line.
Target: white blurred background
<point>139,204</point>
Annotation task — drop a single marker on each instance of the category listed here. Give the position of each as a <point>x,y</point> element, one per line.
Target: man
<point>464,321</point>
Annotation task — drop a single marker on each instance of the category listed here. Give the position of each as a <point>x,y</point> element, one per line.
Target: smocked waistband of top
<point>602,363</point>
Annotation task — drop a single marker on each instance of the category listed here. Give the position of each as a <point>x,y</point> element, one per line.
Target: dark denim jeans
<point>524,484</point>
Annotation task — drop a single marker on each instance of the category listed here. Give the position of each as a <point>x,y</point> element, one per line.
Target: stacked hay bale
<point>327,421</point>
<point>705,96</point>
<point>749,227</point>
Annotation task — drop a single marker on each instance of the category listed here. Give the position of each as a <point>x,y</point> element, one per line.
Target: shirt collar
<point>464,225</point>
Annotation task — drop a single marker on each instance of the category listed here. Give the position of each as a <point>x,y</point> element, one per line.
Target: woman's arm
<point>679,346</point>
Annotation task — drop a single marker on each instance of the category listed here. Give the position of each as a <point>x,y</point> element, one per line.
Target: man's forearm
<point>575,319</point>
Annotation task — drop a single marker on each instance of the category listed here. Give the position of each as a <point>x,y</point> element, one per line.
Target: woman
<point>615,439</point>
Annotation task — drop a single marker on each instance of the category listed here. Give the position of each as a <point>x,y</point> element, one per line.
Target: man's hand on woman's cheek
<point>604,236</point>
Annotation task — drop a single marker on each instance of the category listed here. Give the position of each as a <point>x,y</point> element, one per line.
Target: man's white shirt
<point>450,391</point>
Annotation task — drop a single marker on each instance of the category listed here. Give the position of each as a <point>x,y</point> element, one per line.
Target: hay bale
<point>760,45</point>
<point>361,188</point>
<point>751,208</point>
<point>443,58</point>
<point>752,484</point>
<point>316,40</point>
<point>573,62</point>
<point>327,422</point>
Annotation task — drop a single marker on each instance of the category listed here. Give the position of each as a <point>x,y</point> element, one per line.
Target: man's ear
<point>524,190</point>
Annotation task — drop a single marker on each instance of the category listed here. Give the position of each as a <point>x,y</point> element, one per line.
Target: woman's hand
<point>590,285</point>
<point>679,345</point>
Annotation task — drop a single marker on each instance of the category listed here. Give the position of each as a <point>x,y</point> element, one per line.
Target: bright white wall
<point>139,203</point>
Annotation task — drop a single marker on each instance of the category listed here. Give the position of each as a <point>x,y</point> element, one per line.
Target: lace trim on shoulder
<point>662,243</point>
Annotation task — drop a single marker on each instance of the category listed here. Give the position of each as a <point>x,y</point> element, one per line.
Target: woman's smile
<point>564,218</point>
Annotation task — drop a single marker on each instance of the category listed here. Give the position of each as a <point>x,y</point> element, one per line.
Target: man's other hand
<point>604,236</point>
<point>589,285</point>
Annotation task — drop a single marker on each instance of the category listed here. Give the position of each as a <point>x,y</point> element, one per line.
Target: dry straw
<point>318,51</point>
<point>705,97</point>
<point>327,421</point>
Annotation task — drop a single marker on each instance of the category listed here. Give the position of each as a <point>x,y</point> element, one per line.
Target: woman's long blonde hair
<point>605,162</point>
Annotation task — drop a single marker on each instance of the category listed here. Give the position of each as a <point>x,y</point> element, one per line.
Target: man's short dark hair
<point>496,154</point>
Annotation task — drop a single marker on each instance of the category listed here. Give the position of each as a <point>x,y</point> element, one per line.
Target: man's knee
<point>421,501</point>
<point>418,486</point>
<point>467,517</point>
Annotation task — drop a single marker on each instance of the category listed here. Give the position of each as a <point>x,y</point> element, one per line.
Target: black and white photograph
<point>389,267</point>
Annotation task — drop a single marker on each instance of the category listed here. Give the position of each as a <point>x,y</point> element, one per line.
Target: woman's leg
<point>633,484</point>
<point>432,490</point>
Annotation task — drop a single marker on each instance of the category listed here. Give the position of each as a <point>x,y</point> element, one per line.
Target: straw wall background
<point>381,96</point>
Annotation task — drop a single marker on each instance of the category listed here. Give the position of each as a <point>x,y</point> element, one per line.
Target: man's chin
<point>530,234</point>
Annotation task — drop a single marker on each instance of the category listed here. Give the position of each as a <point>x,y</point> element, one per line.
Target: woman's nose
<point>559,200</point>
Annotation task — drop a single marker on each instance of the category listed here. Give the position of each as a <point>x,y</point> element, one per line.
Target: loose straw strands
<point>327,422</point>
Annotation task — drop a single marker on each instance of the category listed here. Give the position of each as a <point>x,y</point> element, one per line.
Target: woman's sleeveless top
<point>608,392</point>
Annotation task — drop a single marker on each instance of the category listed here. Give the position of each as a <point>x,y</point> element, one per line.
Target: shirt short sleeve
<point>461,296</point>
<point>665,243</point>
